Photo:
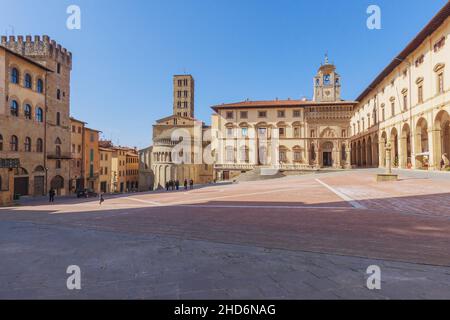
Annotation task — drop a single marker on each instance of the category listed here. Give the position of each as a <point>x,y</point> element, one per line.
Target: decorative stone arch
<point>57,183</point>
<point>328,133</point>
<point>369,152</point>
<point>405,146</point>
<point>439,66</point>
<point>421,144</point>
<point>441,138</point>
<point>376,151</point>
<point>393,138</point>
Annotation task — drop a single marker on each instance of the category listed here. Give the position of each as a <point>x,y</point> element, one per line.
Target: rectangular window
<point>262,114</point>
<point>405,102</point>
<point>296,132</point>
<point>283,157</point>
<point>392,109</point>
<point>313,134</point>
<point>420,94</point>
<point>230,132</point>
<point>281,132</point>
<point>441,83</point>
<point>91,155</point>
<point>244,132</point>
<point>383,114</point>
<point>440,44</point>
<point>281,113</point>
<point>229,115</point>
<point>296,114</point>
<point>297,156</point>
<point>244,114</point>
<point>344,133</point>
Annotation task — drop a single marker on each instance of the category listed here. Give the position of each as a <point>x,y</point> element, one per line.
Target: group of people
<point>175,184</point>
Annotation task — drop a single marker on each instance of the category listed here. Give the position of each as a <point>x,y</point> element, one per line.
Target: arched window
<point>40,86</point>
<point>58,151</point>
<point>14,143</point>
<point>58,141</point>
<point>27,144</point>
<point>1,142</point>
<point>14,108</point>
<point>27,111</point>
<point>15,76</point>
<point>58,119</point>
<point>39,115</point>
<point>39,145</point>
<point>28,82</point>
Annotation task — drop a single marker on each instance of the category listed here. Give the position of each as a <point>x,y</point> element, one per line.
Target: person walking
<point>177,185</point>
<point>167,186</point>
<point>51,195</point>
<point>191,184</point>
<point>185,184</point>
<point>101,198</point>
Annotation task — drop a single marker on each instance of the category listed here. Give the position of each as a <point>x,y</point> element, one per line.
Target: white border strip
<point>355,204</point>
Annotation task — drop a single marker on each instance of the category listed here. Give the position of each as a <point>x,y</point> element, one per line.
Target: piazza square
<point>194,193</point>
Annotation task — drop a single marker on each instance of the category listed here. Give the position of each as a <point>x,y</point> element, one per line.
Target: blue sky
<point>127,51</point>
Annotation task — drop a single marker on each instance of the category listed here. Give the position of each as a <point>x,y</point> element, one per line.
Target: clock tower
<point>327,83</point>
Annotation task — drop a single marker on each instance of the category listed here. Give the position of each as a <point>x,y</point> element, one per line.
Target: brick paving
<point>286,238</point>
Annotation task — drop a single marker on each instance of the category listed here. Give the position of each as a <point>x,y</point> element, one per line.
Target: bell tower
<point>183,96</point>
<point>327,83</point>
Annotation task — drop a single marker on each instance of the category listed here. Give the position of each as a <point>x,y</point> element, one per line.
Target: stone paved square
<point>251,240</point>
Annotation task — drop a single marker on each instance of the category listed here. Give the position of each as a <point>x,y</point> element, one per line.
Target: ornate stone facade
<point>290,135</point>
<point>172,160</point>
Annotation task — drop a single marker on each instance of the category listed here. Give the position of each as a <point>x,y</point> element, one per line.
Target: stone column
<point>348,152</point>
<point>402,152</point>
<point>436,149</point>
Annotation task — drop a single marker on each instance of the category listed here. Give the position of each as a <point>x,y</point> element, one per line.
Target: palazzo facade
<point>288,135</point>
<point>408,105</point>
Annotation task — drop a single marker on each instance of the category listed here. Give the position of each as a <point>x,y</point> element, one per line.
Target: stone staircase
<point>259,174</point>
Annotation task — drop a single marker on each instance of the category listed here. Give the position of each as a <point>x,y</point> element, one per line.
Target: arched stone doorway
<point>369,151</point>
<point>405,143</point>
<point>442,128</point>
<point>394,146</point>
<point>376,151</point>
<point>358,154</point>
<point>21,182</point>
<point>421,144</point>
<point>57,183</point>
<point>327,154</point>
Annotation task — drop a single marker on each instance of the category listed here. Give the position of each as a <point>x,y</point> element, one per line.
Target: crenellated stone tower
<point>57,90</point>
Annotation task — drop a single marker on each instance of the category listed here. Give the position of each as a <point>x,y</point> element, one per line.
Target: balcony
<point>235,166</point>
<point>59,156</point>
